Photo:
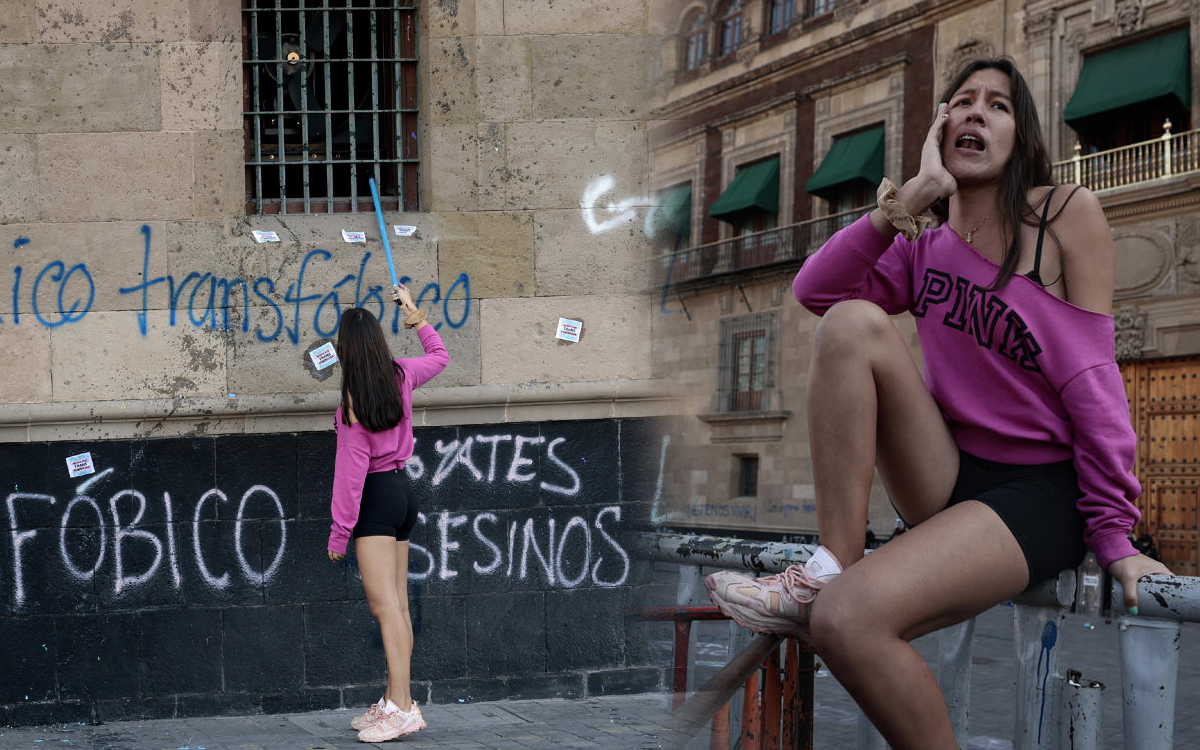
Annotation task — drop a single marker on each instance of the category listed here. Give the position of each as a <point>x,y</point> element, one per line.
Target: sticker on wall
<point>354,236</point>
<point>569,330</point>
<point>323,356</point>
<point>264,236</point>
<point>79,465</point>
<point>404,231</point>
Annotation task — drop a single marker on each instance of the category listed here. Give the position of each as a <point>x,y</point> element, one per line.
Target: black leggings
<point>388,507</point>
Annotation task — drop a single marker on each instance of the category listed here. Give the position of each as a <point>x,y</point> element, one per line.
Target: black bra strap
<point>1036,273</point>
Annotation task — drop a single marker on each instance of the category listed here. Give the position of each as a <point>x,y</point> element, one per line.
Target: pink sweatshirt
<point>1021,376</point>
<point>360,451</point>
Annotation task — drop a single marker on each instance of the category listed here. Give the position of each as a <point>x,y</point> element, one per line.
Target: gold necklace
<point>971,233</point>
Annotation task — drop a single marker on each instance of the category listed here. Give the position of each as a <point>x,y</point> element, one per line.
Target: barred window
<point>330,100</point>
<point>746,363</point>
<point>730,28</point>
<point>696,46</point>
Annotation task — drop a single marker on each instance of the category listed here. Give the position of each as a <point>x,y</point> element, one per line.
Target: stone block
<point>494,249</point>
<point>29,672</point>
<point>502,77</point>
<point>265,650</point>
<point>574,17</point>
<point>569,257</point>
<point>18,178</point>
<point>201,86</point>
<point>103,21</point>
<point>615,344</point>
<point>451,18</point>
<point>592,76</point>
<point>462,344</point>
<point>492,166</point>
<point>452,181</point>
<point>342,643</point>
<point>626,681</point>
<point>178,248</point>
<point>17,26</point>
<point>181,650</point>
<point>97,655</point>
<point>555,164</point>
<point>105,356</point>
<point>97,88</point>
<point>506,634</point>
<point>589,624</point>
<point>448,93</point>
<point>220,179</point>
<point>107,176</point>
<point>24,361</point>
<point>489,18</point>
<point>111,253</point>
<point>215,22</point>
<point>527,687</point>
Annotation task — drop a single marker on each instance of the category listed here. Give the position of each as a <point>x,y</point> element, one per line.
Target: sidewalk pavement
<point>644,722</point>
<point>638,722</point>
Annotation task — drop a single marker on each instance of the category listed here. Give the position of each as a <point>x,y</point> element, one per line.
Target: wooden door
<point>1164,399</point>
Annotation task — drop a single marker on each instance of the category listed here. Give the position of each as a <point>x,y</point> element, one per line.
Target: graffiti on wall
<point>571,546</point>
<point>206,299</point>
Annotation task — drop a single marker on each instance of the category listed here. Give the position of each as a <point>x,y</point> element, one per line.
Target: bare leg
<point>953,566</point>
<point>378,561</point>
<point>868,406</point>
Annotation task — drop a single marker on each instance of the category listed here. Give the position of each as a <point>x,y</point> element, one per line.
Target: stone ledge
<point>123,419</point>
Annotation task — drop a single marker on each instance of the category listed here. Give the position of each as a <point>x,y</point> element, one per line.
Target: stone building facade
<point>142,147</point>
<point>840,93</point>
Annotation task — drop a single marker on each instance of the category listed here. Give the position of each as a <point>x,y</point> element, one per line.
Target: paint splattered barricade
<point>188,576</point>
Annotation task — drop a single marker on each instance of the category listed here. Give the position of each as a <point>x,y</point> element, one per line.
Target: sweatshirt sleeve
<point>1105,448</point>
<point>856,263</point>
<point>349,474</point>
<point>423,369</point>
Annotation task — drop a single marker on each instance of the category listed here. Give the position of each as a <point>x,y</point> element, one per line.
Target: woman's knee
<point>385,609</point>
<point>851,323</point>
<point>837,625</point>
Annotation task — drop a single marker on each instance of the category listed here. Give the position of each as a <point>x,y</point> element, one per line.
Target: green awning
<point>1132,74</point>
<point>672,211</point>
<point>857,157</point>
<point>754,187</point>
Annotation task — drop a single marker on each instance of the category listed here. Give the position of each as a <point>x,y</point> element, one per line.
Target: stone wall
<point>188,576</point>
<point>135,282</point>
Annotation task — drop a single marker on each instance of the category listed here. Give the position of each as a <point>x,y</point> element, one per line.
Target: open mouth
<point>970,142</point>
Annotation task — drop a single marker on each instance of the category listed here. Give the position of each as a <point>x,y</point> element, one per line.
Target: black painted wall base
<point>189,576</point>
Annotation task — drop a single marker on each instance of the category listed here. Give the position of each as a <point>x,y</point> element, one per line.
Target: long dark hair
<point>368,372</point>
<point>1028,167</point>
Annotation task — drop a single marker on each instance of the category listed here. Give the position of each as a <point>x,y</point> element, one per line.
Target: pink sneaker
<point>393,725</point>
<point>360,723</point>
<point>772,604</point>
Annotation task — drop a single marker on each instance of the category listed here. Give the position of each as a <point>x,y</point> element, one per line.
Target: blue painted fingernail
<point>1133,610</point>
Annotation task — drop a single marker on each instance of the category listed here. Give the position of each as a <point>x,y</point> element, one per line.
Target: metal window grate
<point>748,476</point>
<point>330,100</point>
<point>746,363</point>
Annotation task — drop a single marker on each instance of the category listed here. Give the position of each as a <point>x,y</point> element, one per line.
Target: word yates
<point>206,299</point>
<point>977,311</point>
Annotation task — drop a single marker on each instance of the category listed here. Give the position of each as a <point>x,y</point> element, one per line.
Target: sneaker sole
<point>399,733</point>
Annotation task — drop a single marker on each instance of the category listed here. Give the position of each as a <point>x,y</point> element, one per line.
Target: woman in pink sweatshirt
<point>1011,453</point>
<point>373,500</point>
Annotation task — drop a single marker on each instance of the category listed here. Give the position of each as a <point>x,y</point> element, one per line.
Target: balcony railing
<point>757,250</point>
<point>1169,155</point>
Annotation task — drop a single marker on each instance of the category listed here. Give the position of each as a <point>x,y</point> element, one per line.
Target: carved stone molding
<point>1129,15</point>
<point>1038,24</point>
<point>1130,324</point>
<point>968,50</point>
<point>1145,259</point>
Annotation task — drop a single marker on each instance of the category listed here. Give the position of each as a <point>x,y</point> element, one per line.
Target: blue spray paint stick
<point>387,248</point>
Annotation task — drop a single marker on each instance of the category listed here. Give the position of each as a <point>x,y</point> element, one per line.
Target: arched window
<point>695,42</point>
<point>782,14</point>
<point>730,27</point>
